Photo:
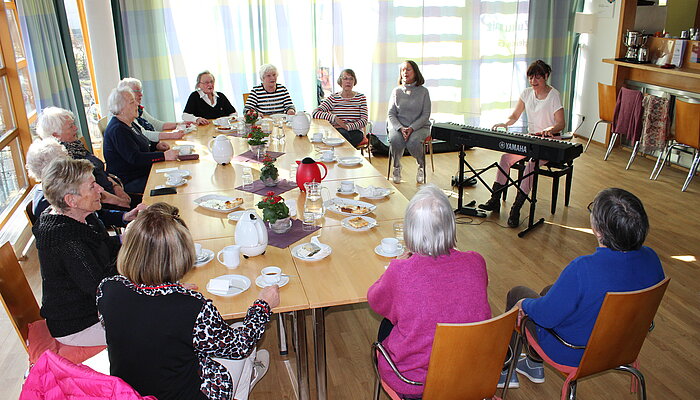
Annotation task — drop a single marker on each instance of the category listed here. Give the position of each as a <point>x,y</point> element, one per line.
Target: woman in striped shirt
<point>346,110</point>
<point>269,97</point>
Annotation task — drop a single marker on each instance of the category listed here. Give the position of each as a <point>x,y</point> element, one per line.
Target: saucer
<point>207,254</point>
<point>332,160</point>
<point>182,172</point>
<point>259,281</point>
<point>381,252</point>
<point>182,182</point>
<point>350,192</point>
<point>333,141</point>
<point>238,284</point>
<point>350,161</point>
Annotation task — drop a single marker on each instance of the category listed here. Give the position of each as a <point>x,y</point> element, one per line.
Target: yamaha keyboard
<point>536,147</point>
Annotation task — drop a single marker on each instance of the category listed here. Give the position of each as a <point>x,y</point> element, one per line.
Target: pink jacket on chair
<point>628,114</point>
<point>53,378</point>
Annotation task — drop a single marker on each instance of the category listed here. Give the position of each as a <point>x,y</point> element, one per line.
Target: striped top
<point>353,110</point>
<point>264,102</point>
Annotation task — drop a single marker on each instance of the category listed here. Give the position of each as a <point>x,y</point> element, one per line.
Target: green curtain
<point>551,39</point>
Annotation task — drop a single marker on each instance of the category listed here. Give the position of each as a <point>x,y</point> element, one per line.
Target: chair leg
<point>377,388</point>
<point>640,378</point>
<point>691,172</point>
<point>388,170</point>
<point>511,367</point>
<point>658,161</point>
<point>572,390</point>
<point>432,161</point>
<point>282,331</point>
<point>555,193</point>
<point>613,138</point>
<point>665,157</point>
<point>592,133</point>
<point>634,154</point>
<point>567,191</point>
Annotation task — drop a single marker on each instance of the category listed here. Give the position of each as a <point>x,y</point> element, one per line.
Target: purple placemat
<point>249,156</point>
<point>283,240</point>
<point>260,188</point>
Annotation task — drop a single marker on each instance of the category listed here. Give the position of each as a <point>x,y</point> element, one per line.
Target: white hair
<point>131,83</point>
<point>117,100</point>
<point>51,121</point>
<point>40,155</point>
<point>201,74</point>
<point>429,224</point>
<point>265,68</point>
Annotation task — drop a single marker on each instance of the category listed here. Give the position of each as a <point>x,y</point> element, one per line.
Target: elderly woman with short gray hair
<point>205,103</point>
<point>152,127</point>
<point>431,283</point>
<point>75,252</point>
<point>128,153</point>
<point>58,123</point>
<point>269,97</point>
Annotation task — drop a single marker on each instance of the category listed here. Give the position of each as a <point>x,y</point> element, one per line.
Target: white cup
<point>327,155</point>
<point>198,249</point>
<point>390,245</point>
<point>347,186</point>
<point>232,256</point>
<point>318,136</point>
<point>271,275</point>
<point>186,149</point>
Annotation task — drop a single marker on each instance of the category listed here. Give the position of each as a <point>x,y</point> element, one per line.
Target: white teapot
<point>221,149</point>
<point>301,123</point>
<point>251,234</point>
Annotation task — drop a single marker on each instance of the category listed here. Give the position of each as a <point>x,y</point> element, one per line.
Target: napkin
<point>219,285</point>
<point>372,191</point>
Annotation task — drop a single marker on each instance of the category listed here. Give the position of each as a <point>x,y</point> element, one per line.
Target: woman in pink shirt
<point>432,283</point>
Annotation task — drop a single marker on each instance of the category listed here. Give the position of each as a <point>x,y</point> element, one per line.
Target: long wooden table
<point>341,278</point>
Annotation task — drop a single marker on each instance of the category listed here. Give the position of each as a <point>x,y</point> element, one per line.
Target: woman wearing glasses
<point>345,110</point>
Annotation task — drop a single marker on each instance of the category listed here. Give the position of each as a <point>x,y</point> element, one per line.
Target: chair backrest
<point>102,124</point>
<point>245,98</point>
<point>688,123</point>
<point>607,97</point>
<point>620,329</point>
<point>16,294</point>
<point>29,210</point>
<point>467,359</point>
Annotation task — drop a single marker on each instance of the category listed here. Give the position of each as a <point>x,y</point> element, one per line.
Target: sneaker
<point>397,175</point>
<point>513,384</point>
<point>260,366</point>
<point>420,175</point>
<point>534,371</point>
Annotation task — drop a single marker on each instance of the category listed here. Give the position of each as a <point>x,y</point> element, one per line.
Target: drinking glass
<point>247,178</point>
<point>293,171</point>
<point>398,231</point>
<point>314,199</point>
<point>309,221</point>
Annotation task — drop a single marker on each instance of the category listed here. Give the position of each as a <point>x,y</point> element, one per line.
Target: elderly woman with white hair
<point>128,153</point>
<point>269,97</point>
<point>205,103</point>
<point>75,252</point>
<point>432,283</point>
<point>59,123</point>
<point>152,127</point>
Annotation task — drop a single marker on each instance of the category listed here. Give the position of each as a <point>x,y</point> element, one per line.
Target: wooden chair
<point>607,96</point>
<point>622,325</point>
<point>626,95</point>
<point>23,310</point>
<point>102,124</point>
<point>365,144</point>
<point>687,138</point>
<point>29,210</point>
<point>245,98</point>
<point>457,348</point>
<point>427,149</point>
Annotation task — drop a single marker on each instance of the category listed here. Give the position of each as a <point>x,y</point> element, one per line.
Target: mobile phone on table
<point>162,191</point>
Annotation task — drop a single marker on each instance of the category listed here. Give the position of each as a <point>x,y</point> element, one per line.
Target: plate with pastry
<point>312,251</point>
<point>359,223</point>
<point>219,203</point>
<point>349,207</point>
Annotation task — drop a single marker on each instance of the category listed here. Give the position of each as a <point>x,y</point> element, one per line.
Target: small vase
<point>270,181</point>
<point>258,151</point>
<point>281,225</point>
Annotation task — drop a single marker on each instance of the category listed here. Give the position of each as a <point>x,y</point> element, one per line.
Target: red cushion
<point>364,142</point>
<point>41,340</point>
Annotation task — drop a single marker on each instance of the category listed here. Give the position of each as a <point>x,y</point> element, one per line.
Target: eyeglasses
<point>137,91</point>
<point>347,78</point>
<point>590,207</point>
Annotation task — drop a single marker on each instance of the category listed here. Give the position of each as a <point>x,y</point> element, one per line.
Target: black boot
<point>494,203</point>
<point>514,217</point>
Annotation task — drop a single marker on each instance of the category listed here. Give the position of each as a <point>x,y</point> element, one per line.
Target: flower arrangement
<point>273,208</point>
<point>269,171</point>
<point>250,117</point>
<point>256,136</point>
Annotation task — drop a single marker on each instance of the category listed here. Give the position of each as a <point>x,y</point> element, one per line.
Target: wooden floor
<point>670,354</point>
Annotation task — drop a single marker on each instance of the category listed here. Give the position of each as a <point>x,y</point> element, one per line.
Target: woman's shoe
<point>397,175</point>
<point>514,217</point>
<point>494,203</point>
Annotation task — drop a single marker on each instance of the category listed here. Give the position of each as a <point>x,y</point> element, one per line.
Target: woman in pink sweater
<point>432,283</point>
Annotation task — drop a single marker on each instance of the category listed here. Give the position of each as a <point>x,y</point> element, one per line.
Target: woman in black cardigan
<point>205,103</point>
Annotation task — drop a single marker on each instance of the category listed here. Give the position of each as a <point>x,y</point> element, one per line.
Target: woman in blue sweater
<point>570,307</point>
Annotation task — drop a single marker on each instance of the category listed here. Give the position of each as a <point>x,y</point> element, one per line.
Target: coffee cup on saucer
<point>390,245</point>
<point>185,149</point>
<point>271,275</point>
<point>317,137</point>
<point>327,155</point>
<point>198,250</point>
<point>173,179</point>
<point>347,186</point>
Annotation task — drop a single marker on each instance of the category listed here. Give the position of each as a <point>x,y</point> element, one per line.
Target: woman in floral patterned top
<point>165,339</point>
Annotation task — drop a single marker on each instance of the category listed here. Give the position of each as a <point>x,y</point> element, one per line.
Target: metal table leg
<point>282,332</point>
<point>320,352</point>
<point>301,355</point>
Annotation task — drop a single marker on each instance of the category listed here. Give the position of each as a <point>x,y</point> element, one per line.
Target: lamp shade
<point>584,23</point>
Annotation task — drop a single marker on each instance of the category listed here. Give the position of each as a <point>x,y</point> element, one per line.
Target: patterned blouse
<point>351,110</point>
<point>264,102</point>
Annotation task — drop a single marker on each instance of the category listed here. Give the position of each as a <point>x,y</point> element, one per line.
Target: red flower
<point>270,193</point>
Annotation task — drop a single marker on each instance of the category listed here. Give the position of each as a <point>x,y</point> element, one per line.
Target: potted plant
<point>256,140</point>
<point>269,173</point>
<point>250,118</point>
<point>275,212</point>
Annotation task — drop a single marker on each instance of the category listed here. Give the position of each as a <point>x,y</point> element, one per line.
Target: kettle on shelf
<point>251,234</point>
<point>308,171</point>
<point>221,149</point>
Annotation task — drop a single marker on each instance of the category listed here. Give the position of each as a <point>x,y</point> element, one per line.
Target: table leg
<point>282,332</point>
<point>301,355</point>
<point>320,352</point>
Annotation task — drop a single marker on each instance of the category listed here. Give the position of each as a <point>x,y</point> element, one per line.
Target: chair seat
<point>40,340</point>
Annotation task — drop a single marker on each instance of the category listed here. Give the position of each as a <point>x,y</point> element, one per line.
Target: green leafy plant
<point>269,170</point>
<point>273,208</point>
<point>256,136</point>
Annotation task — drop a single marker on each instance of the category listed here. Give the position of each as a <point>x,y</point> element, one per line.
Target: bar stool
<point>687,138</point>
<point>606,108</point>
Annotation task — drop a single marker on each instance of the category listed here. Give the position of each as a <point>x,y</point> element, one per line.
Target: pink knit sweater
<point>417,293</point>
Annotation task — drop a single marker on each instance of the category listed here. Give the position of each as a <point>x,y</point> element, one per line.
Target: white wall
<point>104,49</point>
<point>596,46</point>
